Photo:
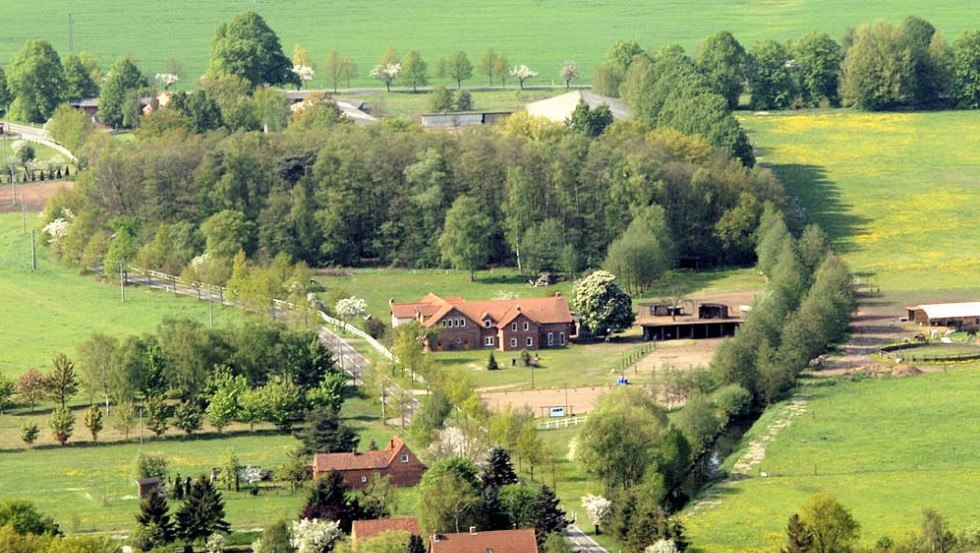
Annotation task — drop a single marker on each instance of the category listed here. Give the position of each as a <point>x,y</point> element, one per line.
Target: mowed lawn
<point>54,309</point>
<point>898,191</point>
<point>541,34</point>
<point>886,448</point>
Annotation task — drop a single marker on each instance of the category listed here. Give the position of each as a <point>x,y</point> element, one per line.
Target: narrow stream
<point>707,465</point>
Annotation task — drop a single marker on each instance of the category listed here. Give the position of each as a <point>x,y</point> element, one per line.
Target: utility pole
<point>33,252</point>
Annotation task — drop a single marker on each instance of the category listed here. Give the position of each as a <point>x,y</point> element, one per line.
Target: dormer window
<point>404,458</point>
<point>486,323</point>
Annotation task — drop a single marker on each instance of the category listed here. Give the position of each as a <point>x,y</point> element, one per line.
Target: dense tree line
<point>876,66</point>
<point>325,192</point>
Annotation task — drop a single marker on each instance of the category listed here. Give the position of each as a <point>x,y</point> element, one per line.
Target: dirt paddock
<point>33,194</point>
<point>577,401</point>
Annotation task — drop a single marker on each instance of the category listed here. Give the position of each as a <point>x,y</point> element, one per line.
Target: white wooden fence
<point>561,423</point>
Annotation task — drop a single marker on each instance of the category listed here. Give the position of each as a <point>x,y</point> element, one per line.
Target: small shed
<point>147,485</point>
<point>712,311</point>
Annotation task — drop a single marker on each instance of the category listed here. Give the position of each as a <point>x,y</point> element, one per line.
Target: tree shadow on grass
<point>822,200</point>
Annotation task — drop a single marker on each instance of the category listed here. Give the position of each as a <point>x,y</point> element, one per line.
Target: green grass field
<point>898,192</point>
<point>54,309</point>
<point>42,152</point>
<point>409,106</point>
<point>887,448</point>
<point>539,34</point>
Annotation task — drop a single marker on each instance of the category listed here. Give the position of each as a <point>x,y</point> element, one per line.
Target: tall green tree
<point>832,526</point>
<point>644,252</point>
<point>62,382</point>
<point>449,496</point>
<point>62,424</point>
<point>7,390</point>
<point>456,67</point>
<point>5,95</point>
<point>603,306</point>
<point>769,75</point>
<point>965,68</point>
<point>464,238</point>
<point>325,432</point>
<point>202,513</point>
<point>95,363</point>
<point>78,80</point>
<point>485,65</point>
<point>415,72</point>
<point>123,81</point>
<point>817,58</point>
<point>722,59</point>
<point>546,516</point>
<point>36,80</point>
<point>247,48</point>
<point>93,421</point>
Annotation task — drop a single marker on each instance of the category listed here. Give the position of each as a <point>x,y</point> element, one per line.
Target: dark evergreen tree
<point>499,470</point>
<point>178,487</point>
<point>492,363</point>
<point>493,516</point>
<point>546,517</point>
<point>202,513</point>
<point>326,433</point>
<point>798,536</point>
<point>154,518</point>
<point>329,500</point>
<point>415,544</point>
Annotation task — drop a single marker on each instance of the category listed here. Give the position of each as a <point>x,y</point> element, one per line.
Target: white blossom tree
<point>599,508</point>
<point>662,546</point>
<point>569,72</point>
<point>350,307</point>
<point>304,72</point>
<point>167,80</point>
<point>387,72</point>
<point>216,543</point>
<point>314,536</point>
<point>522,73</point>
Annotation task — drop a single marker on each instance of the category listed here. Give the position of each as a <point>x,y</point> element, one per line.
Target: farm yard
<point>541,35</point>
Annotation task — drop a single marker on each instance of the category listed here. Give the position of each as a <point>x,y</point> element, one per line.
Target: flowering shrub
<point>350,307</point>
<point>314,536</point>
<point>167,80</point>
<point>304,72</point>
<point>599,508</point>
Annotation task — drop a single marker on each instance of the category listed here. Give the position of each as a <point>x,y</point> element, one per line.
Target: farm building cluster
<point>961,316</point>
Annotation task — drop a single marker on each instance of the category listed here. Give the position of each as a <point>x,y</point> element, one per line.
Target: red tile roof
<point>366,529</point>
<point>326,462</point>
<point>432,309</point>
<point>498,541</point>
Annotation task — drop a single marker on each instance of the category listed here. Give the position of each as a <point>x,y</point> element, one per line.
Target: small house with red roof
<point>496,541</point>
<point>366,529</point>
<point>506,325</point>
<point>395,460</point>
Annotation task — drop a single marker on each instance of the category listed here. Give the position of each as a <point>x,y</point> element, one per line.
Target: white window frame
<point>561,338</point>
<point>486,323</point>
<point>529,342</point>
<point>513,342</point>
<point>363,479</point>
<point>551,338</point>
<point>404,458</point>
<point>462,322</point>
<point>513,327</point>
<point>527,326</point>
<point>488,340</point>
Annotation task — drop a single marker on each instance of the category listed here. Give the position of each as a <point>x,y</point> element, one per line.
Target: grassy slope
<point>540,34</point>
<point>42,152</point>
<point>55,309</point>
<point>886,448</point>
<point>897,191</point>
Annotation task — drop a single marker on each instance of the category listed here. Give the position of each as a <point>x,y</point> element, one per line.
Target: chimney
<point>436,536</point>
<point>473,530</point>
<point>518,308</point>
<point>557,294</point>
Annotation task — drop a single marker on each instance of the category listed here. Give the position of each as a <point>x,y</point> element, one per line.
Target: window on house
<point>530,342</point>
<point>459,340</point>
<point>527,326</point>
<point>551,338</point>
<point>462,322</point>
<point>561,338</point>
<point>513,326</point>
<point>363,479</point>
<point>513,342</point>
<point>488,340</point>
<point>486,323</point>
<point>404,458</point>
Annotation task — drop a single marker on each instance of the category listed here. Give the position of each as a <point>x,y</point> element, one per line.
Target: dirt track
<point>33,194</point>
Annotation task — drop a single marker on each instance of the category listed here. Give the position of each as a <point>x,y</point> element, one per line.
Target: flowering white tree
<point>453,441</point>
<point>167,80</point>
<point>350,307</point>
<point>387,72</point>
<point>250,475</point>
<point>522,73</point>
<point>599,508</point>
<point>57,230</point>
<point>569,72</point>
<point>216,543</point>
<point>662,546</point>
<point>304,72</point>
<point>314,536</point>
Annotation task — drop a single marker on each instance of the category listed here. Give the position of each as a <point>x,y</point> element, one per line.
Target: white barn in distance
<point>560,108</point>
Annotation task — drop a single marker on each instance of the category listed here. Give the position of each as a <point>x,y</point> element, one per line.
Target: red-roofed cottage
<point>497,541</point>
<point>507,325</point>
<point>395,460</point>
<point>366,529</point>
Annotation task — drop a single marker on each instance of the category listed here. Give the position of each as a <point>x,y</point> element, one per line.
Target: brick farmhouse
<point>497,541</point>
<point>366,529</point>
<point>506,325</point>
<point>395,460</point>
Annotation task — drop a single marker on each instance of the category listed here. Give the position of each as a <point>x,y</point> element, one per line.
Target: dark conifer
<point>202,513</point>
<point>499,470</point>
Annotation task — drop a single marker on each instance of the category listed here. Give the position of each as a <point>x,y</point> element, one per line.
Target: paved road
<point>582,541</point>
